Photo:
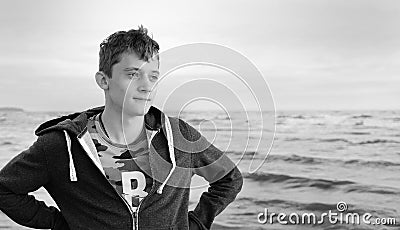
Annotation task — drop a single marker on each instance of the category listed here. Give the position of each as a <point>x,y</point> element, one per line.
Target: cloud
<point>308,49</point>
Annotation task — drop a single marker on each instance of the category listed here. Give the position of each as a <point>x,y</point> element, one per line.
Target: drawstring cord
<point>72,171</point>
<point>170,141</point>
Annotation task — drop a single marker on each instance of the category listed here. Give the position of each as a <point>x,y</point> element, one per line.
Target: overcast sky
<point>314,54</point>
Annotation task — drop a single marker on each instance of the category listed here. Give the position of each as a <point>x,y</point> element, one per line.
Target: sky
<point>312,54</point>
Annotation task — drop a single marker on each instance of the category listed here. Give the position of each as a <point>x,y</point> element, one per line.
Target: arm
<point>224,177</point>
<point>26,173</point>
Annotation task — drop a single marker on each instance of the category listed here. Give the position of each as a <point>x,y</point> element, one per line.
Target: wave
<point>293,182</point>
<point>359,123</point>
<point>378,141</point>
<point>307,160</point>
<point>344,140</point>
<point>367,142</point>
<point>282,116</point>
<point>335,140</point>
<point>347,141</point>
<point>297,159</point>
<point>369,189</point>
<point>358,133</point>
<point>298,139</point>
<point>391,118</point>
<point>354,162</point>
<point>362,116</point>
<point>396,118</point>
<point>298,117</point>
<point>288,204</point>
<point>317,207</point>
<point>6,143</point>
<point>196,120</point>
<point>222,117</point>
<point>371,163</point>
<point>238,129</point>
<point>246,153</point>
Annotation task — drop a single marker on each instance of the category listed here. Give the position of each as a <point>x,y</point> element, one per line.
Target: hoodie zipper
<point>133,214</point>
<point>127,205</point>
<point>152,190</point>
<point>136,214</point>
<point>123,199</point>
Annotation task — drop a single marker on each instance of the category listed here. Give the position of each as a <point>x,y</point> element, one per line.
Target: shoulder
<point>182,128</point>
<point>51,140</point>
<point>187,137</point>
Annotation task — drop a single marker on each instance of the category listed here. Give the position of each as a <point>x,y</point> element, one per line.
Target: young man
<point>125,165</point>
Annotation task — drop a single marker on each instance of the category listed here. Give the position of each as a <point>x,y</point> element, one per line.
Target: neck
<point>121,128</point>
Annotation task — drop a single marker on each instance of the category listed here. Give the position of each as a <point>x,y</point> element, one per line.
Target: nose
<point>144,83</point>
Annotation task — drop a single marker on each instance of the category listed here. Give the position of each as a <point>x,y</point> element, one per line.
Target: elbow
<point>238,180</point>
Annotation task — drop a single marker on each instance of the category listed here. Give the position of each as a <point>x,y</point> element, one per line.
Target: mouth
<point>141,99</point>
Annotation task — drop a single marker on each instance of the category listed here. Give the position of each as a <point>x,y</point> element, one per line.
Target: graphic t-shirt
<point>126,167</point>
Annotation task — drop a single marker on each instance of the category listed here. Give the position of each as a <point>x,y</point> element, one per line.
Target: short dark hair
<point>121,42</point>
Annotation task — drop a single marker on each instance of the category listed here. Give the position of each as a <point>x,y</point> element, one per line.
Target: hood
<point>75,124</point>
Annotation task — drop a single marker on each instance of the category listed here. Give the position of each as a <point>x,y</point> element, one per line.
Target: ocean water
<point>317,159</point>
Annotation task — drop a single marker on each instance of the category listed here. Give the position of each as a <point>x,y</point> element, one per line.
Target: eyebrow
<point>136,69</point>
<point>131,68</point>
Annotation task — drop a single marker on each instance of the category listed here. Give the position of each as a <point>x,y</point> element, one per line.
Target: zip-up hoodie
<point>64,161</point>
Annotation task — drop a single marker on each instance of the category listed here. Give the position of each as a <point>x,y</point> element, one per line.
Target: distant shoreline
<point>17,109</point>
<point>13,109</point>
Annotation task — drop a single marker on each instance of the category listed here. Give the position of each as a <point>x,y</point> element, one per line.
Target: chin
<point>136,111</point>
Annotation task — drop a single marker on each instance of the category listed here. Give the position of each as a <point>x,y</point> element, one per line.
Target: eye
<point>133,75</point>
<point>154,77</point>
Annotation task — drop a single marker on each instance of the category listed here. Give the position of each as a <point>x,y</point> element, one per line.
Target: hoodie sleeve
<point>224,178</point>
<point>26,173</point>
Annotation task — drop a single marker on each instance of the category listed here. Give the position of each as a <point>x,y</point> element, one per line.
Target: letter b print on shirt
<point>128,179</point>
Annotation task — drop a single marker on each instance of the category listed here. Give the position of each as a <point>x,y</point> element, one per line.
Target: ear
<point>102,80</point>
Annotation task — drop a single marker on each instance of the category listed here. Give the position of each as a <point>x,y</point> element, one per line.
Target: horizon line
<point>13,108</point>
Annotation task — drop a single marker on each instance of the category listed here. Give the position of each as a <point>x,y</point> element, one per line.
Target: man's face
<point>131,86</point>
